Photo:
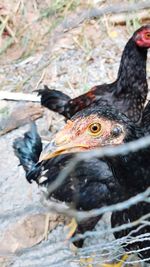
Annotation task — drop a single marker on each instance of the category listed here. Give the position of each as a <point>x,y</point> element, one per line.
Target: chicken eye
<point>147,35</point>
<point>116,131</point>
<point>95,128</point>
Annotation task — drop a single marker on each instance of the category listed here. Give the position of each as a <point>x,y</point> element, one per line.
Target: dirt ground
<point>72,61</point>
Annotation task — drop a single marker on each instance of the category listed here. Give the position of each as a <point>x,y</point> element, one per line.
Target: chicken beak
<point>54,149</point>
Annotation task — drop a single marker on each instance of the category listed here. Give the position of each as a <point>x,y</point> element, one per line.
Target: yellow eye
<point>95,128</point>
<point>147,35</point>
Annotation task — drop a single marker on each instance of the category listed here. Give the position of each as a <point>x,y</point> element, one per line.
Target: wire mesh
<point>100,243</point>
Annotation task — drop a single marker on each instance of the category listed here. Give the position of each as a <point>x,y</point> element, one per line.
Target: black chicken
<point>108,129</point>
<point>133,174</point>
<point>78,186</point>
<point>127,94</point>
<point>95,182</point>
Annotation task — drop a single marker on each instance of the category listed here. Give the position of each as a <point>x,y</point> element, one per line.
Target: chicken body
<point>85,188</point>
<point>91,184</point>
<point>133,172</point>
<point>127,94</point>
<point>94,183</point>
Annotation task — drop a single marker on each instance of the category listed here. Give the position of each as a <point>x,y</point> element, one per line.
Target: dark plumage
<point>85,188</point>
<point>128,93</point>
<point>132,214</point>
<point>145,121</point>
<point>95,182</point>
<point>132,172</point>
<point>28,150</point>
<point>76,189</point>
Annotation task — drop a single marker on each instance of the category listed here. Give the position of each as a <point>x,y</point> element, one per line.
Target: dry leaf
<point>112,34</point>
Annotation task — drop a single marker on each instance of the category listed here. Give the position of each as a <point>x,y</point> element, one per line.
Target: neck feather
<point>132,70</point>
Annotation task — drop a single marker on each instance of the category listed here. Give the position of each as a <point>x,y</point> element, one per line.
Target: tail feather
<point>54,100</point>
<point>28,149</point>
<point>64,105</point>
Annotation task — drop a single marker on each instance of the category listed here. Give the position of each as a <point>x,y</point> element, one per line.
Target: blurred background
<point>70,46</point>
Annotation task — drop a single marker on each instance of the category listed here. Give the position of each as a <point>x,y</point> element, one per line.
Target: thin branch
<point>19,96</point>
<point>10,31</point>
<point>123,17</point>
<point>110,9</point>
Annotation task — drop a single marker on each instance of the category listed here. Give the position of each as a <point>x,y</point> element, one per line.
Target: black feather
<point>54,99</point>
<point>95,183</point>
<point>28,149</point>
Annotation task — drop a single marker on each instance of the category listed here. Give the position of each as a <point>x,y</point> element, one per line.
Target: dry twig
<point>97,13</point>
<point>19,96</point>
